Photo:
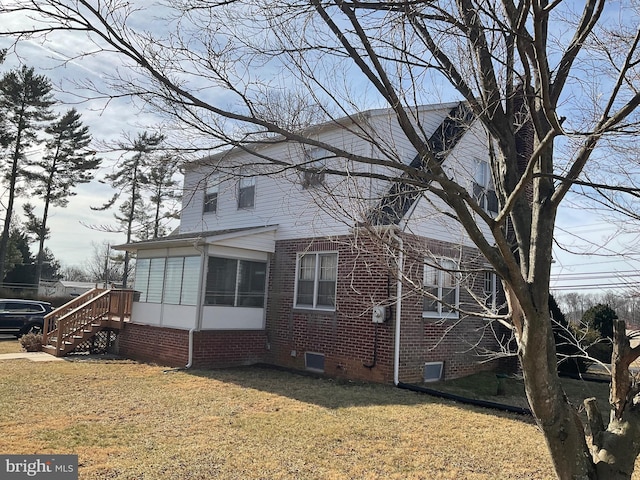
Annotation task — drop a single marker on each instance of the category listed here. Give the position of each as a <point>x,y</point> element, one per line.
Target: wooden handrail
<point>88,311</point>
<point>50,319</point>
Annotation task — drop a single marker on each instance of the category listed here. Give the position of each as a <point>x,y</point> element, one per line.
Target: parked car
<point>22,316</point>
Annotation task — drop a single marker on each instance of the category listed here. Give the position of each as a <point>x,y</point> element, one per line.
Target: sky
<point>77,229</point>
<point>609,261</point>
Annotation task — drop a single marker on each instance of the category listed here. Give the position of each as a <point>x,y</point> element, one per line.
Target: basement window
<point>432,371</point>
<point>314,362</point>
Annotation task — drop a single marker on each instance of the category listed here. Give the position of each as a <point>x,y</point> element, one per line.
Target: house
<point>316,271</point>
<point>63,288</point>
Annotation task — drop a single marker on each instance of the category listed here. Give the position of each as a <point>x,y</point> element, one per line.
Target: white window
<point>172,280</point>
<point>483,190</point>
<point>156,280</point>
<point>316,280</point>
<point>246,192</point>
<point>235,283</point>
<point>211,194</point>
<point>489,290</point>
<point>442,288</point>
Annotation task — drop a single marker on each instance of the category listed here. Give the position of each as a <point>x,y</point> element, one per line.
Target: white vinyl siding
<point>300,212</point>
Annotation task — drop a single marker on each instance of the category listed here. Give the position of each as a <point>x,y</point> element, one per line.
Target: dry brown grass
<point>9,344</point>
<point>134,421</point>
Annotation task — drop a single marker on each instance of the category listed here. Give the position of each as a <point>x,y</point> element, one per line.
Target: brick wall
<point>211,349</point>
<point>166,346</point>
<point>347,337</point>
<point>354,347</point>
<point>228,348</point>
<point>467,344</point>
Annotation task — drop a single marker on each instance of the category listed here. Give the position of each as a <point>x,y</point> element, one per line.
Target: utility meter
<point>379,314</point>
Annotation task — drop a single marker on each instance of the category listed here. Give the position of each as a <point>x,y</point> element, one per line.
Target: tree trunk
<point>559,421</point>
<point>615,449</point>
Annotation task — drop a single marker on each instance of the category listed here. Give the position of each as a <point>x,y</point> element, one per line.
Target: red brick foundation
<point>211,349</point>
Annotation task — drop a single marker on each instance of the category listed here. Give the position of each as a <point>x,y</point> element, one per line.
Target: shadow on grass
<point>334,393</point>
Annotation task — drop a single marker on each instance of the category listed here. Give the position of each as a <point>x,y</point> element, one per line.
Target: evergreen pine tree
<point>25,103</point>
<point>66,163</point>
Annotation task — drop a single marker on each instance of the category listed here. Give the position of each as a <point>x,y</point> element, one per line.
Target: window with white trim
<point>235,283</point>
<point>246,192</point>
<point>483,190</point>
<point>489,290</point>
<point>316,280</point>
<point>442,288</point>
<point>211,194</point>
<point>172,280</point>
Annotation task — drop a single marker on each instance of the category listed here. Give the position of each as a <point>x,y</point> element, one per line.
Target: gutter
<point>396,347</point>
<point>198,323</point>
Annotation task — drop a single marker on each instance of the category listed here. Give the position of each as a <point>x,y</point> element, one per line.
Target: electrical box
<point>379,314</point>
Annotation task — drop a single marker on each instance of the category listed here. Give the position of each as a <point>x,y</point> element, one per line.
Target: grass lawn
<point>134,421</point>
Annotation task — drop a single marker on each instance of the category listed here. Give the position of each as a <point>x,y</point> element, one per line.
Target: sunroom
<point>213,280</point>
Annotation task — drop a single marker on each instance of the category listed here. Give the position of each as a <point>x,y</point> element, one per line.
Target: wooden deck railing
<point>107,308</point>
<point>51,319</point>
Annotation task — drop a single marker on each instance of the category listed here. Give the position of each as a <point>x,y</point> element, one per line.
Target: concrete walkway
<point>33,356</point>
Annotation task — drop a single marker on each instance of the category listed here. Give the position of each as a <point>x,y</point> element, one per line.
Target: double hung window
<point>483,190</point>
<point>314,167</point>
<point>246,192</point>
<point>211,194</point>
<point>489,290</point>
<point>442,288</point>
<point>316,280</point>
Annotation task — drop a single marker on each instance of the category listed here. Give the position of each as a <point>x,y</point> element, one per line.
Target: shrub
<point>31,342</point>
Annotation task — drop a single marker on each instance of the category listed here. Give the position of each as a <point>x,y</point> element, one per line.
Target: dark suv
<point>22,316</point>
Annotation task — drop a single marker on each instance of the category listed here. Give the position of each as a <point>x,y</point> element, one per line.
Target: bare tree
<point>556,76</point>
<point>103,266</point>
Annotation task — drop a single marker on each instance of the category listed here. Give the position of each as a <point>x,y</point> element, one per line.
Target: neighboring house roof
<point>68,284</point>
<point>197,238</point>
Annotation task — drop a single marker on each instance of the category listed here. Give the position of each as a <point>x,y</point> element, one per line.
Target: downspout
<point>198,323</point>
<point>396,348</point>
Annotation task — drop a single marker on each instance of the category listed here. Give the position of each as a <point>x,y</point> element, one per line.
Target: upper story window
<point>483,190</point>
<point>316,280</point>
<point>211,194</point>
<point>246,192</point>
<point>315,165</point>
<point>442,287</point>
